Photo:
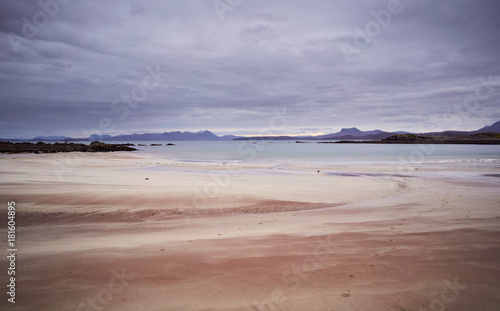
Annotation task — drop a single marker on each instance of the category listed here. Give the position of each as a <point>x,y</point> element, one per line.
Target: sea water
<point>312,151</point>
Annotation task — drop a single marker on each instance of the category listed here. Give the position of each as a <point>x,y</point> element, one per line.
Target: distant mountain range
<point>166,136</point>
<point>356,134</point>
<point>344,134</point>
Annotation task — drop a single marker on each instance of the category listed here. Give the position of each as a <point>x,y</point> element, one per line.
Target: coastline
<point>42,147</point>
<point>205,235</point>
<point>430,142</point>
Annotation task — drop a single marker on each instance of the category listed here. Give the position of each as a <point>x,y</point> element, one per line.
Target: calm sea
<point>340,154</point>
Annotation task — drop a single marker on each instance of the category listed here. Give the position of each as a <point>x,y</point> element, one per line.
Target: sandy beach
<point>120,231</point>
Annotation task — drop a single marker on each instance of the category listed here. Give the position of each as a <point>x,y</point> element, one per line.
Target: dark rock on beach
<point>40,147</point>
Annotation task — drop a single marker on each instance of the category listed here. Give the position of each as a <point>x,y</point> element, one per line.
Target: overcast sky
<point>247,66</point>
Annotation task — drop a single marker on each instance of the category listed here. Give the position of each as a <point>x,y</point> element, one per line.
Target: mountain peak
<point>351,130</point>
<point>495,127</point>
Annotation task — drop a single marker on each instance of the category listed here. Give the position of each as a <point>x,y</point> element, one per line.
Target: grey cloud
<point>229,76</point>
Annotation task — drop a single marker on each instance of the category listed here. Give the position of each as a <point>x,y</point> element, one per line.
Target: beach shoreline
<point>133,231</point>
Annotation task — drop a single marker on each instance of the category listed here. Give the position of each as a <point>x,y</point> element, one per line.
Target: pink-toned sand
<point>94,234</point>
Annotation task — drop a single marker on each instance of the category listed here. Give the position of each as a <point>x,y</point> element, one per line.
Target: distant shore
<point>475,139</point>
<point>432,142</point>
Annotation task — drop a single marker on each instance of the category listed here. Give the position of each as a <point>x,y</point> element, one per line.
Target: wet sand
<point>132,232</point>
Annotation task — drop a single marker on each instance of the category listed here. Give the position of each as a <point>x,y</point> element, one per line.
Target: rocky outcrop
<point>41,147</point>
<point>408,138</point>
<point>474,139</point>
<point>96,146</point>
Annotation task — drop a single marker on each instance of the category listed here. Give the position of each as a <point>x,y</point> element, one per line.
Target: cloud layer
<point>82,67</point>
